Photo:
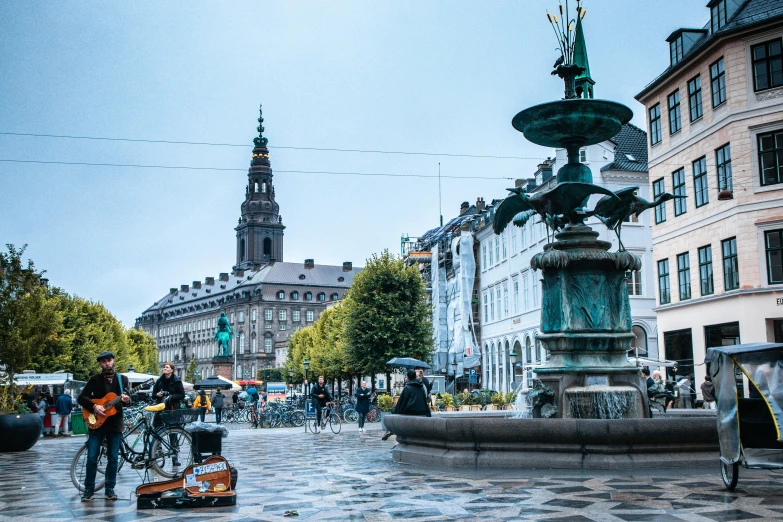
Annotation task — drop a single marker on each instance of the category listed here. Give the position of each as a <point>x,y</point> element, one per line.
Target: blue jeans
<point>203,413</point>
<point>94,441</point>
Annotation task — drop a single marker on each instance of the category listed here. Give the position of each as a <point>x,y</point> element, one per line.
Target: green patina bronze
<point>586,314</point>
<point>223,336</point>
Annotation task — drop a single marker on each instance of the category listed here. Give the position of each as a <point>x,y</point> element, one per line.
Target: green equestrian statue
<point>223,336</point>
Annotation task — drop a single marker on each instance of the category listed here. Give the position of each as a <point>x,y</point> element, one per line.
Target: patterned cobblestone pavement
<point>351,476</point>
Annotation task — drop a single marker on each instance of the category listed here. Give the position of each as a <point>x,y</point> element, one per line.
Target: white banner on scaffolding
<point>467,276</point>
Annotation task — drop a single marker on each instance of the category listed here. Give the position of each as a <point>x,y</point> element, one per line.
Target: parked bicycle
<point>165,449</point>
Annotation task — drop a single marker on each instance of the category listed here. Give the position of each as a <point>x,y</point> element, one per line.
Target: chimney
<point>519,182</point>
<point>464,207</point>
<point>239,273</point>
<point>172,290</point>
<point>347,266</point>
<point>309,263</point>
<point>480,205</point>
<point>184,288</point>
<point>196,285</point>
<point>209,280</point>
<point>223,276</point>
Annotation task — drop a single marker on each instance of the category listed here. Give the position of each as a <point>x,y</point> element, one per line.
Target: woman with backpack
<point>202,403</point>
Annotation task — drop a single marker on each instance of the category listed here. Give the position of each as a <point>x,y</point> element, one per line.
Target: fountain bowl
<point>495,440</point>
<point>577,123</point>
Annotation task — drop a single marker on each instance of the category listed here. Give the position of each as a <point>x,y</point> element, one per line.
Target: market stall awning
<point>139,377</point>
<point>35,379</point>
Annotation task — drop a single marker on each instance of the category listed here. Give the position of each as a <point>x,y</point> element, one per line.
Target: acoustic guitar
<point>109,403</point>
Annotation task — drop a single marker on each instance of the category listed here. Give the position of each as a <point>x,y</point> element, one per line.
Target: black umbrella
<point>408,362</point>
<point>210,383</point>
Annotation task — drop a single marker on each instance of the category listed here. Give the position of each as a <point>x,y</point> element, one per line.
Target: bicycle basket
<point>179,416</point>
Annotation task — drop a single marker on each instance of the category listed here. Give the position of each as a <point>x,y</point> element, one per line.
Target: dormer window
<point>718,15</point>
<point>582,155</point>
<point>675,50</point>
<point>681,41</point>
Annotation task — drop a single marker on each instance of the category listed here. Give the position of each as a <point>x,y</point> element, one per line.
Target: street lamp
<point>454,370</point>
<point>306,365</point>
<point>512,358</point>
<point>131,368</point>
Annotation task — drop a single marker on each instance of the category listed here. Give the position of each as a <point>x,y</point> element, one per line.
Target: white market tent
<point>230,385</point>
<point>136,377</point>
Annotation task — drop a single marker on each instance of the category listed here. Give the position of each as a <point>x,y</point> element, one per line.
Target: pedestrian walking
<point>320,396</point>
<point>108,381</point>
<point>41,407</point>
<point>686,392</point>
<point>62,409</point>
<point>235,399</point>
<point>217,403</point>
<point>363,394</point>
<point>202,404</point>
<point>412,401</point>
<point>708,393</point>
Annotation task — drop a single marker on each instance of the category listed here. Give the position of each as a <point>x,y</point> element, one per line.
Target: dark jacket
<point>217,400</point>
<point>708,391</point>
<point>64,404</point>
<point>96,388</point>
<point>172,385</point>
<point>363,400</point>
<point>317,390</point>
<point>413,400</point>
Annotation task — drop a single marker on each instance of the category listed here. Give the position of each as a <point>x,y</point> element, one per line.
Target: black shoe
<point>110,494</point>
<point>388,434</point>
<point>88,495</point>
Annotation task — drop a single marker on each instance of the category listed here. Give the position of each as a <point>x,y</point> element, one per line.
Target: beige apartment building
<point>715,124</point>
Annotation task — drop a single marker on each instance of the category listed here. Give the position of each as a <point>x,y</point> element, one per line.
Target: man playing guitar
<point>108,381</point>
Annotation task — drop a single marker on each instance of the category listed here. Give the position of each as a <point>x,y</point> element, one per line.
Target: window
<point>675,50</point>
<point>282,315</point>
<point>268,315</point>
<point>773,243</point>
<point>253,348</point>
<point>655,124</point>
<point>267,345</point>
<point>491,255</point>
<point>771,157</point>
<point>505,299</point>
<point>239,372</point>
<point>675,122</point>
<point>634,282</point>
<point>296,316</point>
<point>253,315</point>
<point>321,296</point>
<point>516,296</point>
<point>486,309</point>
<point>705,270</point>
<point>484,256</point>
<point>242,316</point>
<point>503,239</point>
<point>513,232</point>
<point>497,249</point>
<point>528,352</point>
<point>241,342</point>
<point>684,275</point>
<point>281,294</point>
<point>694,98</point>
<point>767,65</point>
<point>663,281</point>
<point>718,15</point>
<point>723,163</point>
<point>522,238</point>
<point>583,155</point>
<point>309,316</point>
<point>699,183</point>
<point>308,296</point>
<point>295,295</point>
<point>282,326</point>
<point>718,83</point>
<point>232,317</point>
<point>639,344</point>
<point>660,210</point>
<point>525,291</point>
<point>730,264</point>
<point>678,183</point>
<point>334,297</point>
<point>491,306</point>
<point>497,303</point>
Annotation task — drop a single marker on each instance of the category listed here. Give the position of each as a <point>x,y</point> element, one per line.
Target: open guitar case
<point>209,484</point>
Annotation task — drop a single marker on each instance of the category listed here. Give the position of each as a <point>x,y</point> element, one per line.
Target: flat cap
<point>105,355</point>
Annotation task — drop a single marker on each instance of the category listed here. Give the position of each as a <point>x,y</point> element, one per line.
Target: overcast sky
<point>439,77</point>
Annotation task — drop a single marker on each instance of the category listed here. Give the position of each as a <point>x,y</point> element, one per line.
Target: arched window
<point>539,358</point>
<point>241,342</point>
<point>239,372</point>
<point>255,186</point>
<point>253,372</point>
<point>506,363</point>
<point>281,294</point>
<point>335,297</point>
<point>253,348</point>
<point>322,296</point>
<point>639,345</point>
<point>308,296</point>
<point>267,246</point>
<point>528,351</point>
<point>263,187</point>
<point>267,345</point>
<point>295,295</point>
<point>241,249</point>
<point>517,370</point>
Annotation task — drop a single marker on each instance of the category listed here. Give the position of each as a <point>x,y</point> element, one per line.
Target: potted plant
<point>385,404</point>
<point>20,428</point>
<point>447,400</point>
<point>499,400</point>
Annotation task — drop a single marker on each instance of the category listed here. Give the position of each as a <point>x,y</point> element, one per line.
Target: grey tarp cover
<point>762,364</point>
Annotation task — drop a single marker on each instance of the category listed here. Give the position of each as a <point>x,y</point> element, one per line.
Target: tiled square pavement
<point>351,476</point>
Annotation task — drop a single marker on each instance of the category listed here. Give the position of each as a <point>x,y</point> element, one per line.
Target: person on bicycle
<point>97,387</point>
<point>363,394</point>
<point>321,397</point>
<point>169,390</point>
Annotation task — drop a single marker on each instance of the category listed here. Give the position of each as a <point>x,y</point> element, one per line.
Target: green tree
<point>28,318</point>
<point>143,351</point>
<point>190,373</point>
<point>386,316</point>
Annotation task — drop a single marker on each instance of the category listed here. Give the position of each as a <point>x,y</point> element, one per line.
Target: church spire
<point>584,82</point>
<point>260,152</point>
<point>260,141</point>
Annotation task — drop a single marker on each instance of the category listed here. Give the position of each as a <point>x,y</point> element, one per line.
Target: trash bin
<point>78,426</point>
<point>207,439</point>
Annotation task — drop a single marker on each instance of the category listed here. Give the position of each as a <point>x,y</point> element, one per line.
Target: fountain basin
<point>578,122</point>
<point>494,440</point>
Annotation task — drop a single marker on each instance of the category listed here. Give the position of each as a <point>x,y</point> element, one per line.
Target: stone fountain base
<point>494,440</point>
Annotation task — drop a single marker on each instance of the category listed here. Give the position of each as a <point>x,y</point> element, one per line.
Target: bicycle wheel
<point>276,420</point>
<point>374,415</point>
<point>171,452</point>
<point>334,423</point>
<point>312,424</point>
<point>351,415</point>
<point>79,469</point>
<point>297,419</point>
<point>729,473</point>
